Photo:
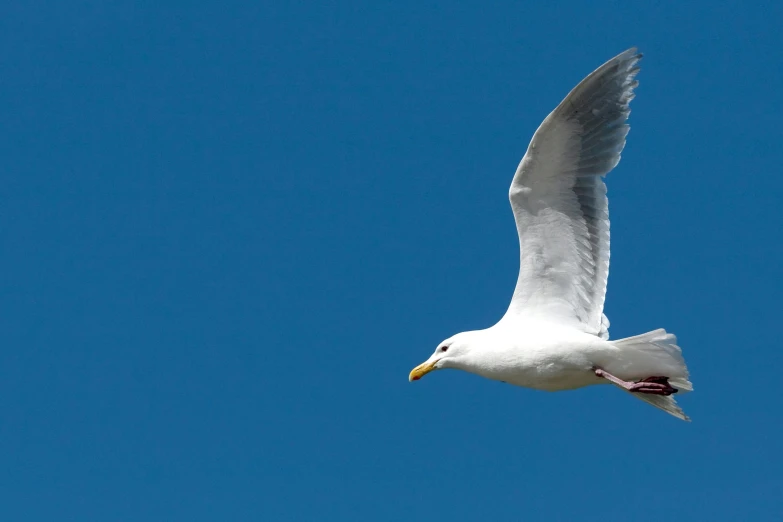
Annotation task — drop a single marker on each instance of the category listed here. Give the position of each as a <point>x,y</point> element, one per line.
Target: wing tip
<point>627,60</point>
<point>631,52</point>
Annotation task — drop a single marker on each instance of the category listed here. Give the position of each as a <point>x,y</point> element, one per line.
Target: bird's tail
<point>658,349</point>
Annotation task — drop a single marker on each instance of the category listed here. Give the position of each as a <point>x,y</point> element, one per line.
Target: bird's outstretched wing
<point>559,199</point>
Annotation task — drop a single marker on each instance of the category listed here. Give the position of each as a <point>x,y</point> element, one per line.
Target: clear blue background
<point>229,232</point>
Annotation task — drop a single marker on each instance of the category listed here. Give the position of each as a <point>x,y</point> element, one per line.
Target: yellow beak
<point>421,370</point>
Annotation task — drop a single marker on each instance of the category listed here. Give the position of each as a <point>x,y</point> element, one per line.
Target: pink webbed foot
<point>656,385</point>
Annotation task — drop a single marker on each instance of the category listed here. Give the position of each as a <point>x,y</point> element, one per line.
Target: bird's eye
<point>444,348</point>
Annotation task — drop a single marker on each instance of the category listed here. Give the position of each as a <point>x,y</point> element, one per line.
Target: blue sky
<point>231,230</point>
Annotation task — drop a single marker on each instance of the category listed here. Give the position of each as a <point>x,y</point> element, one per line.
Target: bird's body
<point>544,355</point>
<point>554,335</point>
<point>535,354</point>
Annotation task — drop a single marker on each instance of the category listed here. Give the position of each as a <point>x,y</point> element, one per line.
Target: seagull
<point>555,335</point>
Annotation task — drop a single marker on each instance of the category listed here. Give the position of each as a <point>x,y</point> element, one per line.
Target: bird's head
<point>451,353</point>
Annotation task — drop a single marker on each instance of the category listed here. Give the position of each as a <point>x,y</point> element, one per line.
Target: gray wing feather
<point>559,198</point>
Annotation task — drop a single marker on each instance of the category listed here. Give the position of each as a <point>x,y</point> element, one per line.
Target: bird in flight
<point>555,335</point>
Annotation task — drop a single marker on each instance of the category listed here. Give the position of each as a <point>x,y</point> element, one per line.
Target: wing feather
<point>559,199</point>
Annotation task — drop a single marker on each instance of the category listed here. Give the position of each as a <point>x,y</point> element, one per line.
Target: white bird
<point>554,335</point>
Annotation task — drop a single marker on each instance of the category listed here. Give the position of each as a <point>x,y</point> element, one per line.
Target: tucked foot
<point>651,385</point>
<point>654,386</point>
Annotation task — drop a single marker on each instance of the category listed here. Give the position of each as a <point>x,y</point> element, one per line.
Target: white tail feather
<point>657,354</point>
<point>667,404</point>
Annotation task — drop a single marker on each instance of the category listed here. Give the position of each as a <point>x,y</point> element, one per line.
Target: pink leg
<point>652,385</point>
